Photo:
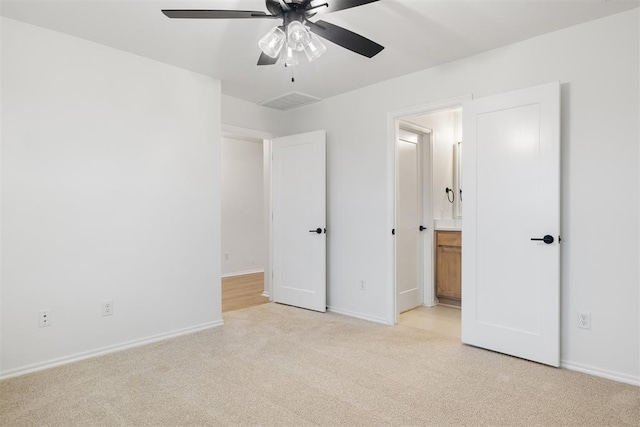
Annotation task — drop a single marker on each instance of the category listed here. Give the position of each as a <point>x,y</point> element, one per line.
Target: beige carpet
<point>277,365</point>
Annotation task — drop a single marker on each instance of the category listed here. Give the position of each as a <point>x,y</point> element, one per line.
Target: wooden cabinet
<point>449,266</point>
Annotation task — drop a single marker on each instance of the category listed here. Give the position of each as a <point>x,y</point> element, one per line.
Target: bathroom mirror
<point>457,178</point>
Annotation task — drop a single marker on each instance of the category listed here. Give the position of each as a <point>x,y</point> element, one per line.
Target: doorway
<point>437,128</point>
<point>244,234</point>
<point>443,258</point>
<point>428,220</point>
<point>428,261</point>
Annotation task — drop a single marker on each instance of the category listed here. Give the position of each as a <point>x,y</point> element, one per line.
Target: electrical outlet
<point>584,320</point>
<point>44,318</point>
<point>363,285</point>
<point>107,308</point>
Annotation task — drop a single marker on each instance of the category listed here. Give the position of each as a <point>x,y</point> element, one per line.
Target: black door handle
<point>422,228</point>
<point>548,239</point>
<point>317,231</point>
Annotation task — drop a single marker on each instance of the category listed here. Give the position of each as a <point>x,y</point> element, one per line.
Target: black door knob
<point>548,239</point>
<point>422,228</point>
<point>317,231</point>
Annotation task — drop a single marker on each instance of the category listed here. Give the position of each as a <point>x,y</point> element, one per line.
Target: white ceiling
<point>417,34</point>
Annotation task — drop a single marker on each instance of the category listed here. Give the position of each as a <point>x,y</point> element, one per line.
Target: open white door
<point>298,179</point>
<point>511,181</point>
<point>409,230</point>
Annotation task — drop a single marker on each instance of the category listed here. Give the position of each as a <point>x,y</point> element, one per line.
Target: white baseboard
<point>266,294</point>
<point>358,315</point>
<point>603,373</point>
<point>242,273</point>
<point>106,350</point>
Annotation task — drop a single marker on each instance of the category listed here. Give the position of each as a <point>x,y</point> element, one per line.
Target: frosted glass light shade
<point>272,42</point>
<point>314,48</point>
<point>297,36</point>
<point>289,56</point>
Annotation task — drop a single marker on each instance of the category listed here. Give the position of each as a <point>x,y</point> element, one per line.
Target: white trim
<point>393,118</point>
<point>266,295</point>
<point>411,127</point>
<point>240,132</point>
<point>358,315</point>
<point>242,273</point>
<point>602,373</point>
<point>108,349</point>
<point>431,107</point>
<point>268,215</point>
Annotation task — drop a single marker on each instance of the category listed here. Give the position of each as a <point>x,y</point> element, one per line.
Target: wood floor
<point>243,291</point>
<point>440,319</point>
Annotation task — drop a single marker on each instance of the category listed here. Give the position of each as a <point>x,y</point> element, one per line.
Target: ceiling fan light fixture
<point>297,36</point>
<point>271,44</point>
<point>315,48</point>
<point>295,31</point>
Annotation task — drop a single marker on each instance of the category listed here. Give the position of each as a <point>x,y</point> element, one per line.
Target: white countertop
<point>448,224</point>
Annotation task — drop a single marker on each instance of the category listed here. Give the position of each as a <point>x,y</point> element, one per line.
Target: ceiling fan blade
<point>277,7</point>
<point>335,5</point>
<point>345,38</point>
<point>266,59</point>
<point>216,14</point>
<point>284,5</point>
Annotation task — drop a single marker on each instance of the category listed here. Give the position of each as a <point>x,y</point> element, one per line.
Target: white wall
<point>243,232</point>
<point>447,129</point>
<point>597,63</point>
<point>110,181</point>
<point>238,113</point>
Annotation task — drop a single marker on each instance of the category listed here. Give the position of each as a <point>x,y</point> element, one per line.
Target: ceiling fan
<point>297,34</point>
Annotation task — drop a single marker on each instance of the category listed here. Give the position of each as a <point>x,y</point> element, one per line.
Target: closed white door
<point>409,237</point>
<point>298,179</point>
<point>511,181</point>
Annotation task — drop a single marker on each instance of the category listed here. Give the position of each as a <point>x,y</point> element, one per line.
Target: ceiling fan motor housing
<point>292,11</point>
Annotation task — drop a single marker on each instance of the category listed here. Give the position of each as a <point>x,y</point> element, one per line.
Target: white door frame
<point>266,137</point>
<point>393,126</point>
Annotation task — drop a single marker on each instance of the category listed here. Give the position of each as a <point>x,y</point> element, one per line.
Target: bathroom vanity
<point>448,266</point>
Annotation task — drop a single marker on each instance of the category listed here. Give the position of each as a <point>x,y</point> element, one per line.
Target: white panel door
<point>409,219</point>
<point>298,180</point>
<point>511,181</point>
